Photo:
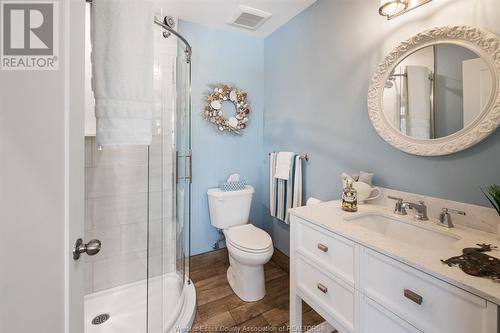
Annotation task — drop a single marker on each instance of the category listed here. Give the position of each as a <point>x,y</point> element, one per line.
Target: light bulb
<point>392,7</point>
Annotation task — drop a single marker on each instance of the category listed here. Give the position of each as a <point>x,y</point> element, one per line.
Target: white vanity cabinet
<point>357,289</point>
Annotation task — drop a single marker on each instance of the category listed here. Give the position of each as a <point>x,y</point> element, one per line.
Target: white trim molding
<point>483,43</point>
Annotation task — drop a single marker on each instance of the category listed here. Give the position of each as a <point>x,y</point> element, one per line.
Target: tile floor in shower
<point>220,310</point>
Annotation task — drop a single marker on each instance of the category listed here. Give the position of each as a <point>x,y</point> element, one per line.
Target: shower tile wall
<point>116,186</point>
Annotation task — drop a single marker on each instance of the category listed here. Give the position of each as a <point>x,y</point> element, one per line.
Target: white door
<point>41,188</point>
<point>476,88</point>
<point>90,121</point>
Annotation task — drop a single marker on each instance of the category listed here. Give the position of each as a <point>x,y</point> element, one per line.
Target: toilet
<point>249,247</point>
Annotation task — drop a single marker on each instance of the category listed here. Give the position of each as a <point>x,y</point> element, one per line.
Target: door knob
<point>91,248</point>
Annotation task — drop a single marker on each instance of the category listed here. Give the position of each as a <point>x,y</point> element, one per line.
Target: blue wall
<point>223,57</point>
<point>317,71</point>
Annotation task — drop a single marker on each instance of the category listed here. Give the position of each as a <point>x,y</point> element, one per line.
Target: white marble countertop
<point>330,216</point>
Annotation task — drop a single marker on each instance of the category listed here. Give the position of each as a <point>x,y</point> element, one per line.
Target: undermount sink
<point>407,232</point>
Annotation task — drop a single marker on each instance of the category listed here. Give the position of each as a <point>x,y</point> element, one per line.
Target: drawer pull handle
<point>322,247</point>
<point>413,296</point>
<point>323,289</point>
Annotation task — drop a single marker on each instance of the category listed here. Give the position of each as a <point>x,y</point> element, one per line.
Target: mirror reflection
<point>437,91</point>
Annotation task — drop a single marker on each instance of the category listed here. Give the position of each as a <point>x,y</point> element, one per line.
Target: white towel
<point>294,188</point>
<point>313,201</point>
<point>272,184</point>
<point>281,200</point>
<point>419,102</point>
<point>283,165</point>
<point>122,58</point>
<point>285,194</point>
<point>297,183</point>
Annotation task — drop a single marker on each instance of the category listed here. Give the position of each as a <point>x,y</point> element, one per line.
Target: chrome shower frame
<point>167,24</point>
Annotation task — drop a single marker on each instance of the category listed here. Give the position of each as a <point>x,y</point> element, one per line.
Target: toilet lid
<point>249,237</point>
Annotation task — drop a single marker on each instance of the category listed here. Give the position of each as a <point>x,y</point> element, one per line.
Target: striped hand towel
<point>285,194</point>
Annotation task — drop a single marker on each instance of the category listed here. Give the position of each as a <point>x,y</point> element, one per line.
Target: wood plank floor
<point>220,310</point>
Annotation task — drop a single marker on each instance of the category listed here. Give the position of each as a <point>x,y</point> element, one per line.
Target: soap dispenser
<point>349,197</point>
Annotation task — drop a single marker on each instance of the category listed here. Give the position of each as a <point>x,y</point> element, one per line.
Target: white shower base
<point>170,309</point>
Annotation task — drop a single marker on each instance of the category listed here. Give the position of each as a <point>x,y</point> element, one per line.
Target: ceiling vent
<point>249,18</point>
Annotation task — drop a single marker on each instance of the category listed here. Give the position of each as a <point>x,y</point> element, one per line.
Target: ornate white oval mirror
<point>438,92</point>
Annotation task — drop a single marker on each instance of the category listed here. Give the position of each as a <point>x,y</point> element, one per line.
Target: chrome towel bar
<point>304,157</point>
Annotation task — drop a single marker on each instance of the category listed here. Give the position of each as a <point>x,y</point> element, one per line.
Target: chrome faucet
<point>444,219</point>
<point>420,208</point>
<point>399,207</point>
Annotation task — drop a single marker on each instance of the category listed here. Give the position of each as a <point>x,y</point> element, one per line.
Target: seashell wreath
<point>213,108</point>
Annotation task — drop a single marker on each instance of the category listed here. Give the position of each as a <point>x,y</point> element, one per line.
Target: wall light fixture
<point>394,8</point>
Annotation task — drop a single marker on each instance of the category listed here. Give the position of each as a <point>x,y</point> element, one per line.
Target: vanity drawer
<point>333,253</point>
<point>427,303</point>
<point>335,297</point>
<point>377,319</point>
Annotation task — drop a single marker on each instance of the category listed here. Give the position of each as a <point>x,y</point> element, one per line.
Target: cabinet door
<point>376,319</point>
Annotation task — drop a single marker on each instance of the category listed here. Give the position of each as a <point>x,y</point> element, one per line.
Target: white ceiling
<point>215,13</point>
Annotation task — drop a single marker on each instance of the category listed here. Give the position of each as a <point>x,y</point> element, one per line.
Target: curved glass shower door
<point>184,161</point>
<point>137,203</point>
<point>170,163</point>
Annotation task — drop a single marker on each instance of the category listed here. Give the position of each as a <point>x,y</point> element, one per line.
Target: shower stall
<point>137,201</point>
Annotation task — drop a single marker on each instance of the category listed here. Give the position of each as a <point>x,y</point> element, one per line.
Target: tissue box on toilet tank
<point>233,186</point>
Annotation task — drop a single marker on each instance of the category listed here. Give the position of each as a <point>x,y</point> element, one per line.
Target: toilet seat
<point>249,238</point>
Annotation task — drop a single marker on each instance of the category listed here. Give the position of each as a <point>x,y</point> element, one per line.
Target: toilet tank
<point>229,208</point>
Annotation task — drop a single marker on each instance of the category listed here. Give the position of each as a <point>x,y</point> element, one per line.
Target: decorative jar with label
<point>349,198</point>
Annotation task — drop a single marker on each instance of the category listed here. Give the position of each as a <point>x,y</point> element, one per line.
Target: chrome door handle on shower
<point>190,158</point>
<point>188,168</point>
<point>91,248</point>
